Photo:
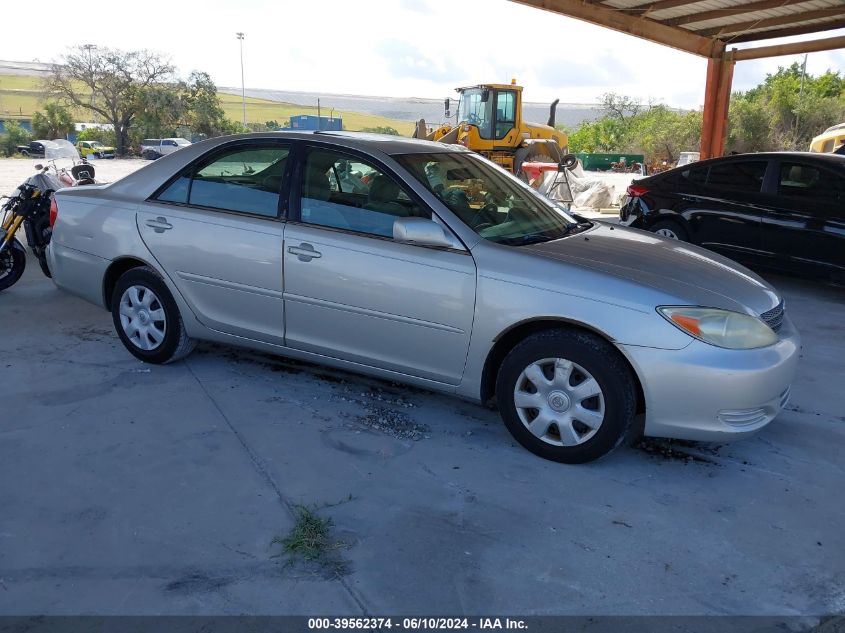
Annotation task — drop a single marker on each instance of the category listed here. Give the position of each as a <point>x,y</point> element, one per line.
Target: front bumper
<point>707,393</point>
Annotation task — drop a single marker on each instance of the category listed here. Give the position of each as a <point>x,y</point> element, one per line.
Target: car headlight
<point>723,328</point>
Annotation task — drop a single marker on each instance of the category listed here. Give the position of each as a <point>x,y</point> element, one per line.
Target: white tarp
<point>587,190</point>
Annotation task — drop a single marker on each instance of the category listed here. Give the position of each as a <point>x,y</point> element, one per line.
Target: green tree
<point>620,107</point>
<point>108,82</point>
<point>161,109</point>
<point>205,115</point>
<point>606,134</point>
<point>14,135</point>
<point>104,136</point>
<point>662,134</point>
<point>55,122</point>
<point>786,110</point>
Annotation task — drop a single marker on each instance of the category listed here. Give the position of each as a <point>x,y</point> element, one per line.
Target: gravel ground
<point>13,171</point>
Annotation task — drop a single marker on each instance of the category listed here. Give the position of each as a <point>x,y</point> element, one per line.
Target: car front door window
<point>810,182</point>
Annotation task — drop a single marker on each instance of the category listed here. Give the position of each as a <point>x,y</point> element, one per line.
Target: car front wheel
<point>147,319</point>
<point>566,395</point>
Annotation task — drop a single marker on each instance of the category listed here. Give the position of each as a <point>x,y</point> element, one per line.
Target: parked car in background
<point>783,210</point>
<point>152,148</point>
<point>685,158</point>
<point>94,149</point>
<point>34,149</point>
<point>831,140</point>
<point>431,266</point>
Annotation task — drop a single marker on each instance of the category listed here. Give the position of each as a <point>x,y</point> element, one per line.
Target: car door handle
<point>160,224</point>
<point>304,252</point>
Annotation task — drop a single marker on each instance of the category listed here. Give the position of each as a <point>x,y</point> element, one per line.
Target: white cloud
<point>384,47</point>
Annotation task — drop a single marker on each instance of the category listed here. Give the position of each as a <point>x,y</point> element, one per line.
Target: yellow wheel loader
<point>489,121</point>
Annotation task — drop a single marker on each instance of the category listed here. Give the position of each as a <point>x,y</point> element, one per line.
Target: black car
<point>783,210</point>
<point>34,149</point>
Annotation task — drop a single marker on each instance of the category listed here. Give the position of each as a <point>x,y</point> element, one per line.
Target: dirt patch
<point>196,582</point>
<point>394,423</point>
<point>676,450</point>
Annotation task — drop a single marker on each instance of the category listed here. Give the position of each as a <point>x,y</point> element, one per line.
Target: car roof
<point>833,160</point>
<point>365,141</point>
<point>142,183</point>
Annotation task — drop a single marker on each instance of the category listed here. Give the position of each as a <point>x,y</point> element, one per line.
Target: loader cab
<point>493,109</point>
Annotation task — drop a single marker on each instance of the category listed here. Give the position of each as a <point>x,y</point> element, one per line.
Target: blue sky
<point>400,48</point>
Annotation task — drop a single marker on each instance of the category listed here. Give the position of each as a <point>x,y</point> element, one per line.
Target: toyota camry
<point>426,264</point>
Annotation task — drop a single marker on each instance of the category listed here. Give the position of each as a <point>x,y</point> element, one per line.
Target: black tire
<point>175,343</point>
<point>670,228</point>
<point>598,359</point>
<point>12,265</point>
<point>97,155</point>
<point>45,268</point>
<point>24,153</point>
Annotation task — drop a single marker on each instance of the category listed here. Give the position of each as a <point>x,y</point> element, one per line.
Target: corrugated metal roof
<point>736,19</point>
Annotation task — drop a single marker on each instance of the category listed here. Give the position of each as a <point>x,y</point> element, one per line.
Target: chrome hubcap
<point>667,233</point>
<point>559,402</point>
<point>142,317</point>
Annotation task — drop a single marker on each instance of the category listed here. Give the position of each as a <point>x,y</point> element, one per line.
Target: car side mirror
<point>421,232</point>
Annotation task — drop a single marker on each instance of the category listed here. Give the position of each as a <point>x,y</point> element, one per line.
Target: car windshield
<point>490,201</point>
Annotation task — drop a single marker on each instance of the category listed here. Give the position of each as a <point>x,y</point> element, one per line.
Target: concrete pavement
<point>135,489</point>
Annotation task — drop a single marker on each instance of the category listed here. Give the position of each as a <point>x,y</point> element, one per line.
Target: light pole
<point>243,92</point>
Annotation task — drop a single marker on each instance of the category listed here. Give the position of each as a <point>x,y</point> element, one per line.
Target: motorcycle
<point>81,171</point>
<point>30,206</point>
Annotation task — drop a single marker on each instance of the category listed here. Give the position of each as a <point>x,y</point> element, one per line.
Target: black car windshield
<point>490,201</point>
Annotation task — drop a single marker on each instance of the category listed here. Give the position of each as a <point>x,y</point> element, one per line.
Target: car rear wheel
<point>147,319</point>
<point>670,229</point>
<point>566,395</point>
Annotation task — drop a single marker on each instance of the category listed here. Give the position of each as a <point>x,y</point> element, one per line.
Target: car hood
<point>690,275</point>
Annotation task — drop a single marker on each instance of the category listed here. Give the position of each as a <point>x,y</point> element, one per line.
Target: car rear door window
<point>810,182</point>
<point>353,195</point>
<point>243,180</point>
<point>740,176</point>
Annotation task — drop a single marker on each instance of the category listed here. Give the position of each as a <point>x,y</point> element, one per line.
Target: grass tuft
<point>310,537</point>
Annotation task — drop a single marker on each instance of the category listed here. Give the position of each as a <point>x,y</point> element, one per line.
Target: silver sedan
<point>426,264</point>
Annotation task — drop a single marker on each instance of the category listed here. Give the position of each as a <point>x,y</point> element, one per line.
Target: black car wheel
<point>671,229</point>
<point>566,395</point>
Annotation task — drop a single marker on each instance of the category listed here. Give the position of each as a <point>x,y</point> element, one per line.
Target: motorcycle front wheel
<point>42,261</point>
<point>12,265</point>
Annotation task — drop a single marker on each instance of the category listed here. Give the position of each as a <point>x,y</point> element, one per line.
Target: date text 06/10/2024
<point>416,624</point>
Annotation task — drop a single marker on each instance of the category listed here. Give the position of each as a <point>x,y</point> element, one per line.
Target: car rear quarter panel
<point>93,230</point>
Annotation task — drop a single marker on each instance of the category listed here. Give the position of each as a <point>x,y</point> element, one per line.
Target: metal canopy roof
<point>706,27</point>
